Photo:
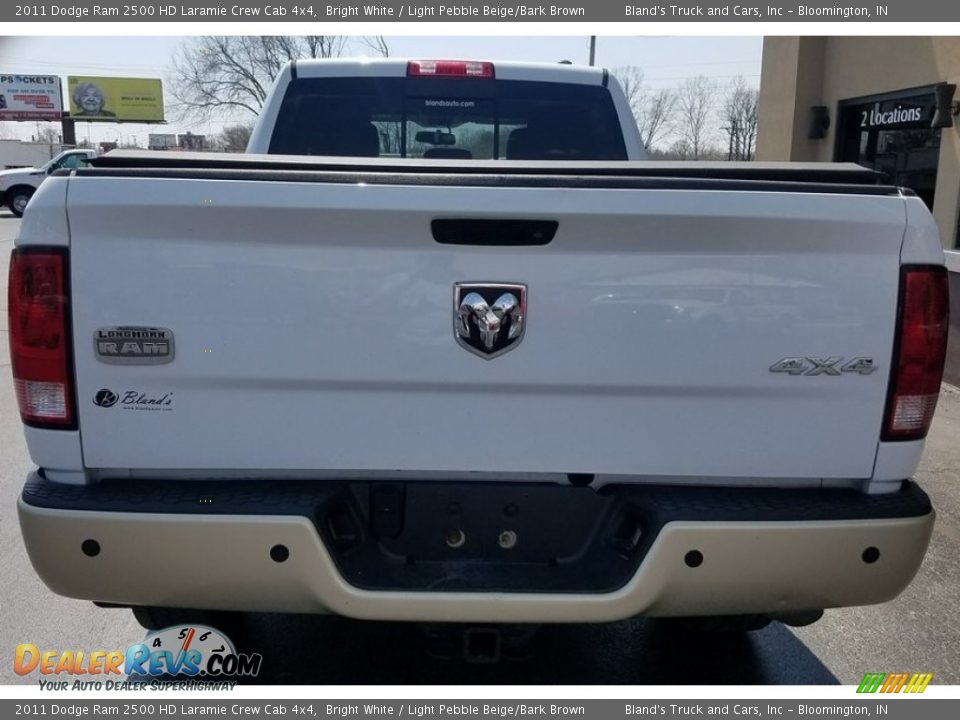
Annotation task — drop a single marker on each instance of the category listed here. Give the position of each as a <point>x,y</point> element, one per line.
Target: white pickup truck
<point>473,362</point>
<point>18,185</point>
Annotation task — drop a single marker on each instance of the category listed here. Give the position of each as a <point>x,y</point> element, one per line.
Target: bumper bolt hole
<point>871,555</point>
<point>90,548</point>
<point>455,538</point>
<point>279,553</point>
<point>507,539</point>
<point>693,559</point>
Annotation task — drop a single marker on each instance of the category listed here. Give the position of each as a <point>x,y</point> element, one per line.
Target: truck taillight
<point>38,313</point>
<point>919,352</point>
<point>449,68</point>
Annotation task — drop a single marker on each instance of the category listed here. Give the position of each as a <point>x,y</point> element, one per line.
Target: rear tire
<point>716,624</point>
<point>17,200</point>
<point>158,618</point>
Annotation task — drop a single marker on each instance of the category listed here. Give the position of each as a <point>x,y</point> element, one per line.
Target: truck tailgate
<point>314,328</point>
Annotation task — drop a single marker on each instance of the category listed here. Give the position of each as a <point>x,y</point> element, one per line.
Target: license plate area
<point>483,537</point>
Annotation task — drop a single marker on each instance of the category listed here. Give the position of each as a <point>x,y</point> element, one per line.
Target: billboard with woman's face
<point>115,99</point>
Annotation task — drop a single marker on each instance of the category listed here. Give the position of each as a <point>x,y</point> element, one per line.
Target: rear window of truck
<point>460,119</point>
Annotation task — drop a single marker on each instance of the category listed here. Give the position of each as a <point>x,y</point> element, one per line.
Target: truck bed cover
<point>758,176</point>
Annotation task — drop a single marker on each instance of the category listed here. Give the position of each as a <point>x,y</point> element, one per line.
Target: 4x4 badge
<point>489,319</point>
<point>811,366</point>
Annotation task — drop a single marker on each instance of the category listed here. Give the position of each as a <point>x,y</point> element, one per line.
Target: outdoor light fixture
<point>819,122</point>
<point>946,107</point>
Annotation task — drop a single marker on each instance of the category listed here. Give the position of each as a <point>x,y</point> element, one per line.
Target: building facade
<point>872,101</point>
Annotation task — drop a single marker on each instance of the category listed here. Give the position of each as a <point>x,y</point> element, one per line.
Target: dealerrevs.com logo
<point>181,656</point>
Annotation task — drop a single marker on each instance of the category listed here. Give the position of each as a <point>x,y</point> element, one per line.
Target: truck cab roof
<point>398,67</point>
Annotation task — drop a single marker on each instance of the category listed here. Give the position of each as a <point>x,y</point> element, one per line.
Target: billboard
<point>30,97</point>
<point>115,99</point>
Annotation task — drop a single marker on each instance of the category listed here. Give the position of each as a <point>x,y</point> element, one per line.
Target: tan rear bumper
<point>224,562</point>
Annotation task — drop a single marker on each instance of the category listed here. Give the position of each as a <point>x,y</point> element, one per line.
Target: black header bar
<point>427,11</point>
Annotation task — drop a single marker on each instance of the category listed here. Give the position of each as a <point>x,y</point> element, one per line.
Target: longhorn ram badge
<point>488,318</point>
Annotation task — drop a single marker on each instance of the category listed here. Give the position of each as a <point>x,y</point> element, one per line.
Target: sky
<point>665,61</point>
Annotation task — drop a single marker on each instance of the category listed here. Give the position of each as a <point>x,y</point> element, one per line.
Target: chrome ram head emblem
<point>488,318</point>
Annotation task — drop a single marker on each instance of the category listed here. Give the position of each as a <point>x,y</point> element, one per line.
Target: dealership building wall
<point>871,100</point>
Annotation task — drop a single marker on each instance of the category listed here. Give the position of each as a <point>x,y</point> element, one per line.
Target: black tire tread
<point>158,618</point>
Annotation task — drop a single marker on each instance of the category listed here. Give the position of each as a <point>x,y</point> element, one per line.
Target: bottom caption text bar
<point>873,707</point>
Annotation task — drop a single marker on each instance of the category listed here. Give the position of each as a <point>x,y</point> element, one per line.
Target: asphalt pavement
<point>917,632</point>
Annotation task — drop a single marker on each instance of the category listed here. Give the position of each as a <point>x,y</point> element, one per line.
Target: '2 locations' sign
<point>914,112</point>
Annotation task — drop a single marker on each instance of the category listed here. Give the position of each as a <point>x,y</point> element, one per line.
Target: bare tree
<point>695,103</point>
<point>677,150</point>
<point>217,73</point>
<point>233,138</point>
<point>739,115</point>
<point>377,44</point>
<point>652,108</point>
<point>48,136</point>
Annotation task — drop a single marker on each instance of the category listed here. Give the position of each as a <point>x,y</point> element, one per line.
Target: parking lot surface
<point>918,632</point>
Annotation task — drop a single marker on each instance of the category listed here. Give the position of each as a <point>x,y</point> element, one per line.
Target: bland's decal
<point>105,398</point>
<point>449,103</point>
<point>133,345</point>
<point>133,400</point>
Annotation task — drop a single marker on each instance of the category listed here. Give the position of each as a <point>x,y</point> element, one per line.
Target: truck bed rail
<point>841,178</point>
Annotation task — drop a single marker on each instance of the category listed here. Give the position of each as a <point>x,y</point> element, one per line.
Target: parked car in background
<point>18,185</point>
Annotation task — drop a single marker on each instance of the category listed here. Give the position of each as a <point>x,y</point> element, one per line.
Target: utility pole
<point>68,128</point>
<point>593,49</point>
